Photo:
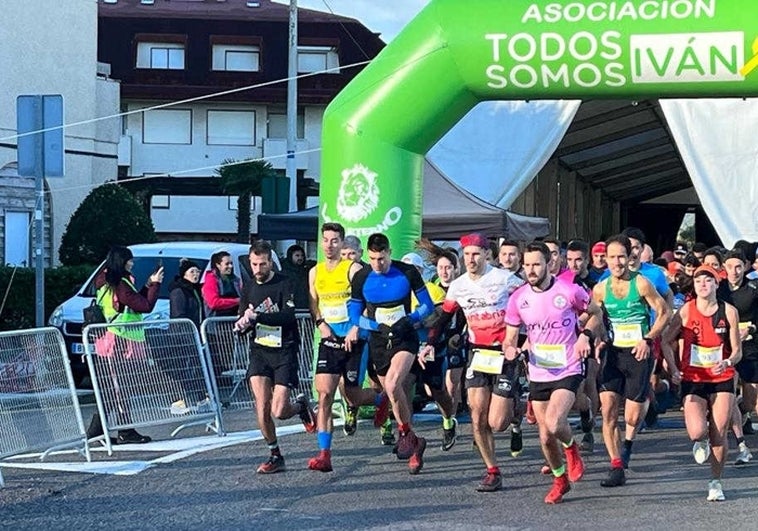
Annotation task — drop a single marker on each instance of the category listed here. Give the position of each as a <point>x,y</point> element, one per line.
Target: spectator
<point>699,250</point>
<point>690,264</point>
<point>599,264</point>
<point>295,267</point>
<point>352,249</point>
<point>185,298</point>
<point>680,251</point>
<point>221,287</point>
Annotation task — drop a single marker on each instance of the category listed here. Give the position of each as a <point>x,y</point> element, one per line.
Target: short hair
<point>747,248</point>
<point>378,243</point>
<point>538,247</point>
<point>621,239</point>
<point>635,234</point>
<point>333,227</point>
<point>351,242</point>
<point>735,253</point>
<point>551,240</point>
<point>579,245</point>
<point>699,247</point>
<point>714,251</point>
<point>261,248</point>
<point>691,260</point>
<point>511,243</point>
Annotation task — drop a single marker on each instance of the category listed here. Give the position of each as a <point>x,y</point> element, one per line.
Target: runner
<point>384,291</point>
<point>599,265</point>
<point>329,285</point>
<point>550,309</point>
<point>709,347</point>
<point>555,266</point>
<point>626,367</point>
<point>267,310</point>
<point>482,293</point>
<point>510,257</point>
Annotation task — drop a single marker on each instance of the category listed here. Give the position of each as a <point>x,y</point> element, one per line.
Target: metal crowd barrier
<point>150,373</point>
<point>39,408</point>
<point>229,357</point>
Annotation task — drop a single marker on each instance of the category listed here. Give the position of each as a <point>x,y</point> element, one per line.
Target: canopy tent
<point>448,213</point>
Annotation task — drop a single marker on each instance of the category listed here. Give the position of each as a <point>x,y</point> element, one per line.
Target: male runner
<point>628,298</point>
<point>598,261</point>
<point>329,284</point>
<point>267,308</point>
<point>555,266</point>
<point>510,257</point>
<point>550,309</point>
<point>384,291</point>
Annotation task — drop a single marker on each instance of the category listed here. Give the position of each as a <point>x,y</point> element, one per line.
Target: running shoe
<point>322,462</point>
<point>307,416</point>
<point>517,441</point>
<point>180,408</point>
<point>490,483</point>
<point>744,457</point>
<point>131,436</point>
<point>574,463</point>
<point>701,451</point>
<point>587,445</point>
<point>388,438</point>
<point>530,418</point>
<point>747,425</point>
<point>449,436</point>
<point>382,411</point>
<point>406,445</point>
<point>416,461</point>
<point>351,421</point>
<point>715,491</point>
<point>560,487</point>
<point>616,478</point>
<point>274,464</point>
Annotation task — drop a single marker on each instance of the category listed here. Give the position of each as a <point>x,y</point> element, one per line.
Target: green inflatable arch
<point>457,53</point>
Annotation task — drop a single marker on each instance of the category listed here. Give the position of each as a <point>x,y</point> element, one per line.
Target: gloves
<point>402,326</point>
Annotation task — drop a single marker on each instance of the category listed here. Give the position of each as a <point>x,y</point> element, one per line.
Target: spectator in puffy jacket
<point>185,298</point>
<point>296,268</point>
<point>221,287</point>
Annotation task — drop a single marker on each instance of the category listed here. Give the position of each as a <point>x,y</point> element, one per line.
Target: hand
<point>250,314</point>
<point>157,277</point>
<point>325,330</point>
<point>676,377</point>
<point>351,338</point>
<point>582,347</point>
<point>241,324</point>
<point>402,326</point>
<point>511,353</point>
<point>641,350</point>
<point>720,367</point>
<point>425,354</point>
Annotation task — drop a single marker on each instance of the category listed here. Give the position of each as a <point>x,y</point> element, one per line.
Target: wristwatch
<point>728,362</point>
<point>649,340</point>
<point>320,321</point>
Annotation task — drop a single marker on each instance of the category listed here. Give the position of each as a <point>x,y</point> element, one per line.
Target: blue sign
<point>40,140</point>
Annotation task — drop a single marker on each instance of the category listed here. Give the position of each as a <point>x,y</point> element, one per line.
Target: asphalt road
<point>371,489</point>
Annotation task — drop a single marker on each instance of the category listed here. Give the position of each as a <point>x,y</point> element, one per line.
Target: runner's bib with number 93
<point>705,357</point>
<point>389,316</point>
<point>626,335</point>
<point>487,361</point>
<point>549,356</point>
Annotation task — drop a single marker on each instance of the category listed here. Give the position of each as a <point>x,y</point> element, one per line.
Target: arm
<point>323,328</point>
<point>177,303</point>
<point>509,343</point>
<point>137,302</point>
<point>734,334</point>
<point>425,305</point>
<point>212,297</point>
<point>669,339</point>
<point>662,315</point>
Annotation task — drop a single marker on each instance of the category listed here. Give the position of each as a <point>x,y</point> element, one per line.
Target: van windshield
<point>144,266</point>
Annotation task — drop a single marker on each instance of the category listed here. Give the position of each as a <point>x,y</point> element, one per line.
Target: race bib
<point>389,316</point>
<point>487,361</point>
<point>626,335</point>
<point>549,356</point>
<point>268,336</point>
<point>705,357</point>
<point>334,314</point>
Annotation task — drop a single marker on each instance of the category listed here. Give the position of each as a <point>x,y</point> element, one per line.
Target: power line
<point>347,30</point>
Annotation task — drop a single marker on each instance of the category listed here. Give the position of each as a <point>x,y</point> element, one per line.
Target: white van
<point>68,316</point>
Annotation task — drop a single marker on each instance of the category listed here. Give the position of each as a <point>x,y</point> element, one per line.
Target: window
<point>160,55</point>
<point>167,126</point>
<point>231,202</point>
<point>231,128</point>
<point>236,58</point>
<point>161,201</point>
<point>277,123</point>
<point>317,59</point>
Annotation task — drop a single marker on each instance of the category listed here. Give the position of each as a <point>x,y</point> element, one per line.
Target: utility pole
<point>292,108</point>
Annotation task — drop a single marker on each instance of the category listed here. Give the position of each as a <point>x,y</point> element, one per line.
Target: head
<point>576,257</point>
<point>698,249</point>
<point>598,256</point>
<point>680,250</point>
<point>555,263</point>
<point>690,264</point>
<point>447,267</point>
<point>222,263</point>
<point>351,249</point>
<point>509,255</point>
<point>379,253</point>
<point>706,281</point>
<point>118,264</point>
<point>637,240</point>
<point>618,248</point>
<point>537,257</point>
<point>261,263</point>
<point>475,252</point>
<point>646,256</point>
<point>415,260</point>
<point>296,255</point>
<point>332,240</point>
<point>668,256</point>
<point>712,258</point>
<point>189,271</point>
<point>735,265</point>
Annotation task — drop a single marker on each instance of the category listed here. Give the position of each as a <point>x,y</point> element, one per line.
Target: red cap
<point>475,239</point>
<point>706,270</point>
<point>599,248</point>
<point>674,267</point>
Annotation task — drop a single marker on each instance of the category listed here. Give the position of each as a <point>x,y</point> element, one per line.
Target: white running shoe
<point>744,456</point>
<point>701,451</point>
<point>180,408</point>
<point>715,491</point>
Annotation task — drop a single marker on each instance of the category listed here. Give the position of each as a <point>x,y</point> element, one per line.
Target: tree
<point>108,216</point>
<point>245,180</point>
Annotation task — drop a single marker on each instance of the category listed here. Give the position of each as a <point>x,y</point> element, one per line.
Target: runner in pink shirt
<point>550,310</point>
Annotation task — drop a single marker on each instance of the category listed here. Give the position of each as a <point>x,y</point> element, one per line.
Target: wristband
<point>589,335</point>
<point>649,340</point>
<point>320,321</point>
<point>728,362</point>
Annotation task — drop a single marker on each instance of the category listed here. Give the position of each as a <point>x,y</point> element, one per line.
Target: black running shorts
<point>334,359</point>
<point>279,365</point>
<point>621,373</point>
<point>541,391</point>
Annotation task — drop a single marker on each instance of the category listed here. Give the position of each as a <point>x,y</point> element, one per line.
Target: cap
<point>706,270</point>
<point>413,259</point>
<point>668,256</point>
<point>681,248</point>
<point>674,267</point>
<point>475,239</point>
<point>185,265</point>
<point>599,248</point>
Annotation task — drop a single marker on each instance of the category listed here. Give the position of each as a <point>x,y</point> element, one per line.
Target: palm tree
<point>243,179</point>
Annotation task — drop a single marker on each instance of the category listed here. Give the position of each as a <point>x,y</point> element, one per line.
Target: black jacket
<point>185,300</point>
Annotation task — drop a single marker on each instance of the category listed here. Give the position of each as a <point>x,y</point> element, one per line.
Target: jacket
<point>185,300</point>
<point>217,302</point>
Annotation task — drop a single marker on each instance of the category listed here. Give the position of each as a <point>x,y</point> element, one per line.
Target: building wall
<point>51,48</point>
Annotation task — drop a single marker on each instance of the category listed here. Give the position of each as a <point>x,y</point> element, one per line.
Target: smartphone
<point>158,265</point>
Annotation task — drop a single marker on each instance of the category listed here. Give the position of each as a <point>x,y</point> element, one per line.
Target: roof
<point>624,148</point>
<point>215,10</point>
<point>191,249</point>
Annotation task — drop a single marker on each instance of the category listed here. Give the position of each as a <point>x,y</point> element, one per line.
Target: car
<point>68,317</point>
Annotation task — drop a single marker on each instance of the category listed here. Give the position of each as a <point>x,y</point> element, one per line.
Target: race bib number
<point>334,314</point>
<point>549,356</point>
<point>389,316</point>
<point>487,361</point>
<point>626,335</point>
<point>705,357</point>
<point>268,336</point>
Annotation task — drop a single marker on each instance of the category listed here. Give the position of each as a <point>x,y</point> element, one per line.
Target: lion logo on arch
<point>358,195</point>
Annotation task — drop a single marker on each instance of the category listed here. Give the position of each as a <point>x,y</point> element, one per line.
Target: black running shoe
<point>517,442</point>
<point>274,464</point>
<point>351,421</point>
<point>406,445</point>
<point>132,437</point>
<point>449,436</point>
<point>307,416</point>
<point>616,478</point>
<point>490,483</point>
<point>587,446</point>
